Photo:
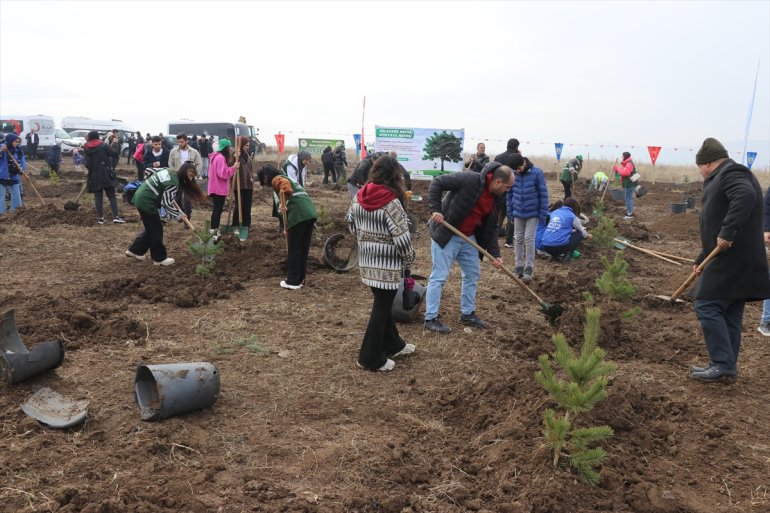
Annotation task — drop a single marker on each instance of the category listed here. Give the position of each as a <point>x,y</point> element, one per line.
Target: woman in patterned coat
<point>378,219</point>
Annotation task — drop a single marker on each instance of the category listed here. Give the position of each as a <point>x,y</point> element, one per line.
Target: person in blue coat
<point>10,174</point>
<point>527,204</point>
<point>564,232</point>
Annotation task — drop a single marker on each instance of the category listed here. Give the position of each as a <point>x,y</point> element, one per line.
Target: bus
<point>218,130</point>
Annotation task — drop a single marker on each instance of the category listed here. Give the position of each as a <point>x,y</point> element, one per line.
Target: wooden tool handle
<point>285,215</point>
<point>676,257</point>
<point>694,274</point>
<point>29,180</point>
<point>647,251</point>
<point>184,217</point>
<point>491,258</point>
<point>82,190</point>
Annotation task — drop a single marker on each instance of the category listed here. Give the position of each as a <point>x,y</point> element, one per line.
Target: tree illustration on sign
<point>444,146</point>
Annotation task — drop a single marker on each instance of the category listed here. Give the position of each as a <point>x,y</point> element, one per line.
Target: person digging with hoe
<point>731,219</point>
<point>470,206</point>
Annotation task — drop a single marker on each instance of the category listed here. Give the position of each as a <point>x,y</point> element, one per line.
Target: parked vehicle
<point>73,123</point>
<point>69,142</point>
<point>22,125</point>
<point>218,129</point>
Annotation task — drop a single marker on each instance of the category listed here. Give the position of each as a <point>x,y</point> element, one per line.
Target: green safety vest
<point>299,207</point>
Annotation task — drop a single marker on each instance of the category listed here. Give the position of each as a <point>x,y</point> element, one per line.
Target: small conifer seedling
<point>605,232</point>
<point>586,385</point>
<point>613,281</point>
<point>206,248</point>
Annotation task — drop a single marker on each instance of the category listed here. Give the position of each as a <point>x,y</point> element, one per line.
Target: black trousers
<point>218,205</point>
<point>183,201</point>
<point>300,237</point>
<point>381,338</point>
<point>567,188</point>
<point>246,196</point>
<point>139,170</point>
<point>151,238</point>
<point>99,201</point>
<point>329,168</point>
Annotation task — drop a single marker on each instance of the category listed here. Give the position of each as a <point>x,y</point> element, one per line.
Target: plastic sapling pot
<point>678,208</point>
<point>19,363</point>
<point>690,201</point>
<point>163,391</point>
<point>402,315</point>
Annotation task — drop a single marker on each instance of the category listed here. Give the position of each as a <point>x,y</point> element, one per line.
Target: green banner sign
<point>316,146</point>
<point>395,133</point>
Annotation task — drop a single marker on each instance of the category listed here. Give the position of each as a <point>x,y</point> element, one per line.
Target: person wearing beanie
<point>10,173</point>
<point>97,157</point>
<point>569,174</point>
<point>469,206</point>
<point>385,254</point>
<point>732,220</point>
<point>295,166</point>
<point>222,166</point>
<point>627,171</point>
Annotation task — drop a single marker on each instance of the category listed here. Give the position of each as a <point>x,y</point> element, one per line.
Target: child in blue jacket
<point>564,232</point>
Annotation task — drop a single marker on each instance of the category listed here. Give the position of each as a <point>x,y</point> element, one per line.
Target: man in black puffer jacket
<point>512,158</point>
<point>469,207</point>
<point>360,174</point>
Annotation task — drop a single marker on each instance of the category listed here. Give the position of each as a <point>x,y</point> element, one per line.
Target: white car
<point>68,141</point>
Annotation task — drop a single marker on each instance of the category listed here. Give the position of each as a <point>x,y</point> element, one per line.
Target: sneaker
<point>118,220</point>
<point>508,245</point>
<point>387,366</point>
<point>100,220</point>
<point>518,271</point>
<point>168,261</point>
<point>408,349</point>
<point>472,319</point>
<point>290,287</point>
<point>134,255</point>
<point>764,328</point>
<point>436,325</point>
<point>529,273</point>
<point>541,253</point>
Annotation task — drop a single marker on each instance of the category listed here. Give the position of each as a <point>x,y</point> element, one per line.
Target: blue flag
<point>357,140</point>
<point>750,156</point>
<point>559,147</point>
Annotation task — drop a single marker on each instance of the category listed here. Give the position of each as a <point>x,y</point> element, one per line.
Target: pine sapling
<point>324,221</point>
<point>206,248</point>
<point>613,281</point>
<point>605,232</point>
<point>586,385</point>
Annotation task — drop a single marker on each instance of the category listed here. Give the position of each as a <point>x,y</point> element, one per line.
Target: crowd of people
<point>467,206</point>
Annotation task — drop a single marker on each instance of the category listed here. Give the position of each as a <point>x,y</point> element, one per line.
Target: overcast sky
<point>596,73</point>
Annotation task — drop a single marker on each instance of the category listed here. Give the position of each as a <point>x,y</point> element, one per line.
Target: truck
<point>103,126</point>
<point>22,125</point>
<point>218,129</point>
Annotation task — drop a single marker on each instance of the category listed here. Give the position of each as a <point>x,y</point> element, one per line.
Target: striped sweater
<point>384,244</point>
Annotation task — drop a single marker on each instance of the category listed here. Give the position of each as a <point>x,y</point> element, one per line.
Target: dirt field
<point>298,428</point>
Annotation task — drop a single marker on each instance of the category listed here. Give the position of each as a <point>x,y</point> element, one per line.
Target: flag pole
<point>748,118</point>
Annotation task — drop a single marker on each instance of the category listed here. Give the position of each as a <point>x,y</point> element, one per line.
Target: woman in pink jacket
<point>627,170</point>
<point>219,176</point>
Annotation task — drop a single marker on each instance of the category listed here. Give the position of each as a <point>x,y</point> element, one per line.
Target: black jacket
<point>766,226</point>
<point>327,158</point>
<point>100,172</point>
<point>464,190</point>
<point>478,164</point>
<point>340,157</point>
<point>506,158</point>
<point>360,174</point>
<point>732,210</point>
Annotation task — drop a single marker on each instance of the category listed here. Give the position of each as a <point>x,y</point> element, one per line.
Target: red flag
<point>279,139</point>
<point>654,152</point>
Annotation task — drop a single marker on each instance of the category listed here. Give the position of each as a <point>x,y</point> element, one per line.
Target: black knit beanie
<point>710,150</point>
<point>626,155</point>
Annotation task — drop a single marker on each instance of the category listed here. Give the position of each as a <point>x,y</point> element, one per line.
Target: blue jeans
<point>15,197</point>
<point>721,321</point>
<point>629,198</point>
<point>205,167</point>
<point>443,258</point>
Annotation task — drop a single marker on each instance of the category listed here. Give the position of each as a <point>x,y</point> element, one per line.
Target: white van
<point>72,123</point>
<point>22,125</point>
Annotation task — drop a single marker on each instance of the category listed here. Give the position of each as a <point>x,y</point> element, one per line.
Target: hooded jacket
<point>528,197</point>
<point>7,177</point>
<point>219,175</point>
<point>97,159</point>
<point>625,169</point>
<point>327,158</point>
<point>463,191</point>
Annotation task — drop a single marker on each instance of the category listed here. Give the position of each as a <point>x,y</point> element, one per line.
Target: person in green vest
<point>569,174</point>
<point>300,220</point>
<point>159,190</point>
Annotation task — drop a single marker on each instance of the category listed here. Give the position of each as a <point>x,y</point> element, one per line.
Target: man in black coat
<point>32,141</point>
<point>327,159</point>
<point>469,206</point>
<point>731,219</point>
<point>480,158</point>
<point>511,158</point>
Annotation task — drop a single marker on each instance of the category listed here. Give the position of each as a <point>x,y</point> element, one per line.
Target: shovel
<point>29,179</point>
<point>692,276</point>
<point>184,217</point>
<point>74,205</point>
<point>622,243</point>
<point>552,312</point>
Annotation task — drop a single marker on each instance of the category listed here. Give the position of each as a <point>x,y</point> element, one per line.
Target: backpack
<point>139,153</point>
<point>129,190</point>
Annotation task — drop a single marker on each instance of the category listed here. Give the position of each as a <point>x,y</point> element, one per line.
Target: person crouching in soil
<point>378,219</point>
<point>564,232</point>
<point>159,190</point>
<point>301,215</point>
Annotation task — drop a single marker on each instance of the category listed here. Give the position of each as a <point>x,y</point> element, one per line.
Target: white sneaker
<point>168,261</point>
<point>290,287</point>
<point>134,255</point>
<point>408,349</point>
<point>388,366</point>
